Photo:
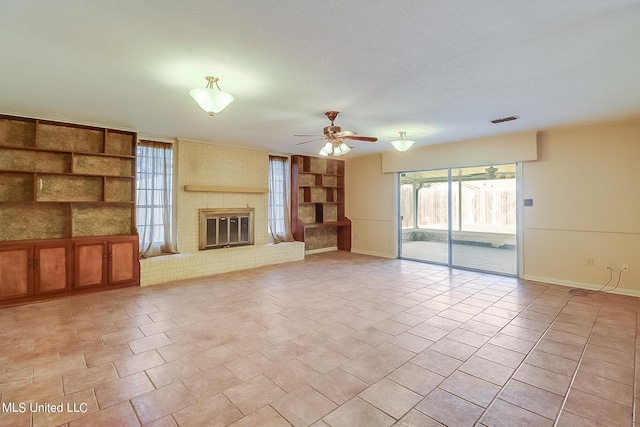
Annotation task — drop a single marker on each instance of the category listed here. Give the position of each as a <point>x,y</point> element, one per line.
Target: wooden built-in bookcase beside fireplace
<point>317,203</point>
<point>67,209</point>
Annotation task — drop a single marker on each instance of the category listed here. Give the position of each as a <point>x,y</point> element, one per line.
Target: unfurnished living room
<point>319,213</point>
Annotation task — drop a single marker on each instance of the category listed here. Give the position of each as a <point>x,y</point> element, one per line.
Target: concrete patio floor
<point>496,260</point>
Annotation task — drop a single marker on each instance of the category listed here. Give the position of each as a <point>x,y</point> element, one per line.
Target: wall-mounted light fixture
<point>210,99</point>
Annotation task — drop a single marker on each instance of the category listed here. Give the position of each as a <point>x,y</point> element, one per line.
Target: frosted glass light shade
<point>402,144</point>
<point>211,100</point>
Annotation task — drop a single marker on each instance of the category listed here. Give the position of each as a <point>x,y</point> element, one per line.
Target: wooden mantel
<point>224,189</point>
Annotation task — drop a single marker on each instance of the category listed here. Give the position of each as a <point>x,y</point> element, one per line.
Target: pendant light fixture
<point>210,99</point>
<point>402,144</point>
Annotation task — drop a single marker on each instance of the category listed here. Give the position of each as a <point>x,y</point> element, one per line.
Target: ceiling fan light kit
<point>402,144</point>
<point>211,100</point>
<point>336,148</point>
<point>334,135</point>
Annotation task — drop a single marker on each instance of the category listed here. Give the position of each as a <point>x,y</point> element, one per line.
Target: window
<point>279,223</point>
<point>155,198</point>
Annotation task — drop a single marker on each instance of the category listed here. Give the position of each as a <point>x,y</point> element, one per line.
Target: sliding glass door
<point>462,217</point>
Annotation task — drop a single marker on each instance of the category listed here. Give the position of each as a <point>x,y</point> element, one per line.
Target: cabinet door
<point>52,267</point>
<point>123,260</point>
<point>90,264</point>
<point>16,278</point>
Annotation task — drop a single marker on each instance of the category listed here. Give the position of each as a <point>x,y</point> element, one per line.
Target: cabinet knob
<point>37,262</point>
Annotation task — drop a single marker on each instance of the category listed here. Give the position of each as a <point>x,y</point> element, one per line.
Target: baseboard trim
<point>377,254</point>
<point>321,250</point>
<point>589,286</point>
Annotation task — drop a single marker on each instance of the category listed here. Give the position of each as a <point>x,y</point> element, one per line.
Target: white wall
<point>585,188</point>
<point>585,185</point>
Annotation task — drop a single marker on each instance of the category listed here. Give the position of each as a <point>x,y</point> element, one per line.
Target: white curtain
<point>279,216</point>
<point>154,205</point>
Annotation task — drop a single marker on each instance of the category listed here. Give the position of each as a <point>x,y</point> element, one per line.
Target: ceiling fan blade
<point>362,138</point>
<point>344,133</point>
<point>311,140</point>
<point>308,134</point>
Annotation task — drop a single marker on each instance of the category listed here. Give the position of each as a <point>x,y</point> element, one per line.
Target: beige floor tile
<point>542,378</point>
<point>171,372</point>
<point>411,342</point>
<point>215,410</point>
<point>532,398</point>
<point>149,343</point>
<point>249,366</point>
<point>600,411</point>
<point>358,413</point>
<point>373,327</point>
<point>455,349</point>
<point>416,378</point>
<point>122,389</point>
<point>210,382</point>
<point>87,378</point>
<point>390,397</point>
<point>74,406</point>
<point>604,388</point>
<point>391,354</point>
<point>138,362</point>
<point>487,370</point>
<point>552,362</point>
<point>303,406</point>
<point>263,417</point>
<point>253,394</point>
<point>338,385</point>
<point>567,419</point>
<point>505,414</point>
<point>156,404</point>
<point>367,368</point>
<point>415,418</point>
<point>213,357</point>
<point>323,360</point>
<point>468,387</point>
<point>437,362</point>
<point>121,415</point>
<point>449,409</point>
<point>292,375</point>
<point>612,371</point>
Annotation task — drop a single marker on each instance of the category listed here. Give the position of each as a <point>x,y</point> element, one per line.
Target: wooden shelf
<point>223,189</point>
<point>317,203</point>
<point>328,224</point>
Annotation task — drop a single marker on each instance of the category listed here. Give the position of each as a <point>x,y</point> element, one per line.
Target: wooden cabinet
<point>317,203</point>
<point>52,267</point>
<point>122,256</point>
<point>60,184</point>
<point>16,271</point>
<point>90,263</point>
<point>42,269</point>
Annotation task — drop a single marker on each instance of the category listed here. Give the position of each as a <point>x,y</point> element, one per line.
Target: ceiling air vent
<point>504,119</point>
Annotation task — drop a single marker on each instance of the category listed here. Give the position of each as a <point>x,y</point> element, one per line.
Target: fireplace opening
<point>224,228</point>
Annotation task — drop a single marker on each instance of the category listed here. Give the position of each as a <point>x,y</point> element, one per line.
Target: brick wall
<point>217,165</point>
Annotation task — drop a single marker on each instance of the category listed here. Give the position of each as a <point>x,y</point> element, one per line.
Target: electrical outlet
<point>590,262</point>
<point>625,267</point>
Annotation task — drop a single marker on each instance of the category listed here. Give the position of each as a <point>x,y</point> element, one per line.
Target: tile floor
<point>336,340</point>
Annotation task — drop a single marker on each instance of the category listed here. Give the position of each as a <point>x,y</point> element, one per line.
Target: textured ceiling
<point>438,70</point>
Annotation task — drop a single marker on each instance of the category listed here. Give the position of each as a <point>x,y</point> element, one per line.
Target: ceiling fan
<point>489,173</point>
<point>334,136</point>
